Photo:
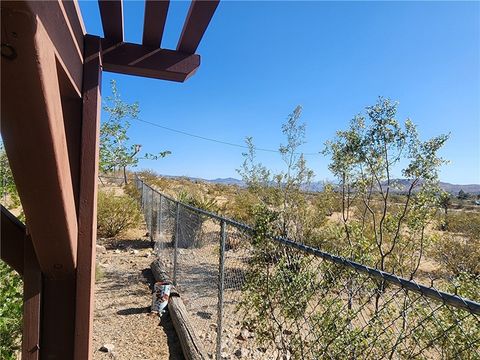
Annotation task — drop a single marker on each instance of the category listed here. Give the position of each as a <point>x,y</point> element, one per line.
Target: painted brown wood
<point>154,22</point>
<point>111,12</point>
<point>192,347</point>
<point>57,321</point>
<point>139,60</point>
<point>32,287</point>
<point>87,214</point>
<point>35,141</point>
<point>199,15</point>
<point>12,234</point>
<point>65,33</point>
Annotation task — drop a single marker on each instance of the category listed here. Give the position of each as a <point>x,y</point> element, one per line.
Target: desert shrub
<point>458,255</point>
<point>466,223</point>
<point>116,213</point>
<point>10,312</point>
<point>199,201</point>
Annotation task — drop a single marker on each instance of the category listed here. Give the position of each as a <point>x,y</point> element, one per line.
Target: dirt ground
<point>122,306</point>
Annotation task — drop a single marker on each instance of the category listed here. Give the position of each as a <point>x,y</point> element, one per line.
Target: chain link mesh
<point>275,299</point>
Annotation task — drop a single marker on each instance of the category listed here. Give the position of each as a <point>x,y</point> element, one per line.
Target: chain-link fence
<point>259,297</point>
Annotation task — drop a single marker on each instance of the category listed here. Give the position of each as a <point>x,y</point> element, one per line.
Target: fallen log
<point>191,346</point>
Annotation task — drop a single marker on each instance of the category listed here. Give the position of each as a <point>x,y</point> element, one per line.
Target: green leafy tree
<point>11,290</point>
<point>363,158</point>
<point>11,302</point>
<point>283,191</point>
<point>116,150</point>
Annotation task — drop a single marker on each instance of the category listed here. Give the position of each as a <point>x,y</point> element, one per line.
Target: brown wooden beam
<point>111,12</point>
<point>57,321</point>
<point>139,60</point>
<point>32,288</point>
<point>154,22</point>
<point>12,240</point>
<point>198,18</point>
<point>87,215</point>
<point>34,137</point>
<point>58,20</point>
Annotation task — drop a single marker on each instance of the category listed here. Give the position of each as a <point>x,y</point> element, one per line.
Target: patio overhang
<point>50,106</point>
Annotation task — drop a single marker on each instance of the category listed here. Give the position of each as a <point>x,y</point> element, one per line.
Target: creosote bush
<point>116,213</point>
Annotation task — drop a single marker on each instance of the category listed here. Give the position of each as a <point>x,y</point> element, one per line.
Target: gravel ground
<point>122,306</point>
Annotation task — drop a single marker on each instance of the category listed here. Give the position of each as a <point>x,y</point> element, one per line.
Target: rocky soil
<point>123,325</point>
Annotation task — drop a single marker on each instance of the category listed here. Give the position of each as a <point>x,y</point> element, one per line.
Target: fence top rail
<point>411,285</point>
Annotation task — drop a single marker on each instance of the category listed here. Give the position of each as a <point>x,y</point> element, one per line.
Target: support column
<point>87,214</point>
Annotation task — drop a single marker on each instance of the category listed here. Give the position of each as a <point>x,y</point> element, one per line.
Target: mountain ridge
<point>401,184</point>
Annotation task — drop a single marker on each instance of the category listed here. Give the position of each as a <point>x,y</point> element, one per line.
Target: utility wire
<point>210,139</point>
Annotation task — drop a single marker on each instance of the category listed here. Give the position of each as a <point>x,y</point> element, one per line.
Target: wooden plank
<point>64,30</point>
<point>154,22</point>
<point>111,12</point>
<point>139,60</point>
<point>34,137</point>
<point>57,321</point>
<point>199,15</point>
<point>191,345</point>
<point>32,287</point>
<point>12,240</point>
<point>87,215</point>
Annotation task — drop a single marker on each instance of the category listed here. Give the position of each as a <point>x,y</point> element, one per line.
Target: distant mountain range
<point>401,185</point>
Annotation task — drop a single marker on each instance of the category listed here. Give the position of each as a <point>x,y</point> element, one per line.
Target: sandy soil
<point>122,306</point>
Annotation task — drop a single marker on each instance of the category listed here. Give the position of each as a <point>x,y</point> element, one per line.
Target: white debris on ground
<point>123,327</point>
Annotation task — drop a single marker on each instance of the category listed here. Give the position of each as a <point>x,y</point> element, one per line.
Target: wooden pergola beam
<point>111,12</point>
<point>35,141</point>
<point>199,15</point>
<point>154,22</point>
<point>12,240</point>
<point>139,60</point>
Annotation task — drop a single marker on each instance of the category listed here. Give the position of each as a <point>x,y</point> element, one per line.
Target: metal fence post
<point>221,279</point>
<point>152,227</point>
<point>175,245</point>
<point>160,213</point>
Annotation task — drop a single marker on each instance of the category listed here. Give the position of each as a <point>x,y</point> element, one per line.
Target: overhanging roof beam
<point>154,22</point>
<point>139,60</point>
<point>198,18</point>
<point>111,12</point>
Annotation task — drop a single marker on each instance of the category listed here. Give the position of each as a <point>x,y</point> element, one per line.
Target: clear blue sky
<point>261,59</point>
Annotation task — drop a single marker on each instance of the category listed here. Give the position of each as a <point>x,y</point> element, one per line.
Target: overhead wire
<point>211,139</point>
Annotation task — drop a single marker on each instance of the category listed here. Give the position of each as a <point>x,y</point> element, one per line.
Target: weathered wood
<point>32,288</point>
<point>199,15</point>
<point>139,60</point>
<point>154,22</point>
<point>111,12</point>
<point>158,273</point>
<point>87,213</point>
<point>34,137</point>
<point>12,237</point>
<point>191,345</point>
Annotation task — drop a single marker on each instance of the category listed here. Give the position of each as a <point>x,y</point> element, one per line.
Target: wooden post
<point>32,287</point>
<point>87,214</point>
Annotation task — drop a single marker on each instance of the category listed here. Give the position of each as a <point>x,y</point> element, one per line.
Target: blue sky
<point>262,59</point>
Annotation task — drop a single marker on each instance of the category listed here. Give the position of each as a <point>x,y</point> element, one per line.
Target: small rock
<point>244,333</point>
<point>241,352</point>
<point>134,252</point>
<point>117,251</point>
<point>101,249</point>
<point>108,348</point>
